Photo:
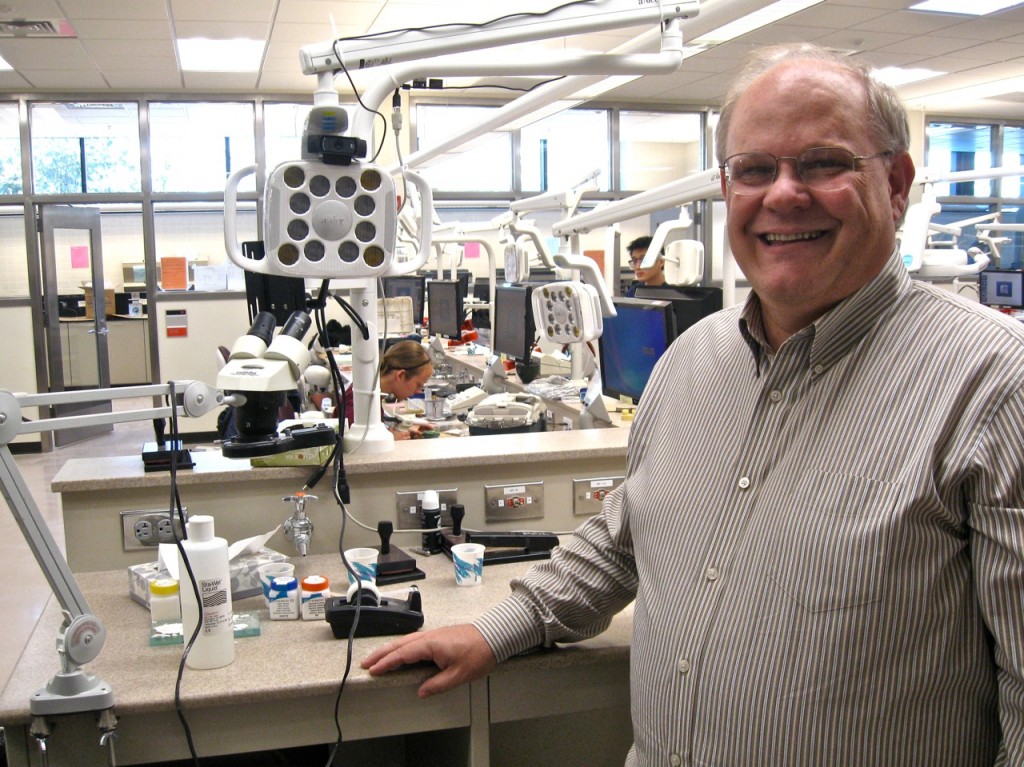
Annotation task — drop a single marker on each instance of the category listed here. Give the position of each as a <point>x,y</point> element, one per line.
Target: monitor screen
<point>1001,287</point>
<point>444,308</point>
<point>513,333</point>
<point>412,285</point>
<point>691,304</point>
<point>631,342</point>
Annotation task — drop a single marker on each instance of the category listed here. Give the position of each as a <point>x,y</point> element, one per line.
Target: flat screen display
<point>690,303</point>
<point>632,342</point>
<point>513,332</point>
<point>412,285</point>
<point>444,308</point>
<point>1001,287</point>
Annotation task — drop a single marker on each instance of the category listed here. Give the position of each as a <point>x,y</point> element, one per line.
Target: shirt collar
<point>837,331</point>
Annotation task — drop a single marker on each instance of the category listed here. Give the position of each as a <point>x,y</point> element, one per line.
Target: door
<point>74,312</point>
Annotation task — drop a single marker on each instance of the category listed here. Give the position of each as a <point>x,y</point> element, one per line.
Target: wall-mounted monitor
<point>412,285</point>
<point>513,332</point>
<point>632,342</point>
<point>691,303</point>
<point>445,311</point>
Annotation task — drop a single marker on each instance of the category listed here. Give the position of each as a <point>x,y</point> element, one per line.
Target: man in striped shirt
<point>822,521</point>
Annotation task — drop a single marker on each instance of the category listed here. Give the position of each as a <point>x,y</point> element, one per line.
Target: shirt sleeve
<point>572,596</point>
<point>995,498</point>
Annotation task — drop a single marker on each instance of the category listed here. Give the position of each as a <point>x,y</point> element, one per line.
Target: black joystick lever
<point>393,564</point>
<point>458,512</point>
<point>385,530</point>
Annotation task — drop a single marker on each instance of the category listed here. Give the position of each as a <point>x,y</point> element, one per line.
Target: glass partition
<point>559,151</point>
<point>195,146</point>
<point>658,147</point>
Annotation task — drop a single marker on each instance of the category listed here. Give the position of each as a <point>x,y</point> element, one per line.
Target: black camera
<point>335,150</point>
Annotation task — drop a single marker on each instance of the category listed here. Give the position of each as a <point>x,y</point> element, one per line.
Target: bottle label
<point>216,612</point>
<point>314,606</point>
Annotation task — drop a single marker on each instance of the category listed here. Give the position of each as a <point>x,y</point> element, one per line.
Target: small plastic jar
<point>164,607</point>
<point>314,597</point>
<point>284,599</point>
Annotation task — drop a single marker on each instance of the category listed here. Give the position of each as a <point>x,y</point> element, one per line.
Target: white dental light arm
<point>566,200</point>
<point>661,234</point>
<point>409,45</point>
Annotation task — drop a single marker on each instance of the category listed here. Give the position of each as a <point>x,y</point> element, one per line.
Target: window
<point>658,147</point>
<point>10,150</point>
<point>484,165</point>
<point>195,146</point>
<point>960,147</point>
<point>559,151</point>
<point>82,148</point>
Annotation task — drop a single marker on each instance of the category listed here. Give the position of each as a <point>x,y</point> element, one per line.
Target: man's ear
<point>901,178</point>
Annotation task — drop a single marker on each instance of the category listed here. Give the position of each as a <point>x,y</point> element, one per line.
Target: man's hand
<point>459,651</point>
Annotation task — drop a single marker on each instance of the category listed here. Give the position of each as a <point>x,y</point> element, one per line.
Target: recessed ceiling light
<point>4,66</point>
<point>756,20</point>
<point>198,54</point>
<point>895,76</point>
<point>972,8</point>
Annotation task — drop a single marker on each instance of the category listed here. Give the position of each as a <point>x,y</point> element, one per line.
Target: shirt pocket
<point>833,547</point>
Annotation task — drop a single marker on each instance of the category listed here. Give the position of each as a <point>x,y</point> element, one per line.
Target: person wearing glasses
<point>637,249</point>
<point>822,521</point>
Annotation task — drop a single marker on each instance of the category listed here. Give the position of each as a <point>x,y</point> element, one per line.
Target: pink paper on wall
<point>79,256</point>
<point>471,250</point>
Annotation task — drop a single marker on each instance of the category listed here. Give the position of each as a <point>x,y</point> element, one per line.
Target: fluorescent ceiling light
<point>896,76</point>
<point>756,20</point>
<point>4,66</point>
<point>965,7</point>
<point>197,54</point>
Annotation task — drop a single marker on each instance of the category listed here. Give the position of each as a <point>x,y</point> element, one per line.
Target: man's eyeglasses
<point>823,169</point>
<point>635,262</point>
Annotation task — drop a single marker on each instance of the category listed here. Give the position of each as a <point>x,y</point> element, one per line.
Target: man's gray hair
<point>886,112</point>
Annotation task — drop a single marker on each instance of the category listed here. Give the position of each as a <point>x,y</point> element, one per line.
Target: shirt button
<point>775,395</point>
<point>683,666</point>
<point>744,483</point>
<point>711,573</point>
<point>818,369</point>
<point>675,760</point>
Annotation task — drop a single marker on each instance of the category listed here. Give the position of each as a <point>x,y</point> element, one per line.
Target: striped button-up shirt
<point>825,542</point>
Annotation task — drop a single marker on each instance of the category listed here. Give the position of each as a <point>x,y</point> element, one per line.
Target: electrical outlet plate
<point>587,494</point>
<point>147,528</point>
<point>408,507</point>
<point>521,501</point>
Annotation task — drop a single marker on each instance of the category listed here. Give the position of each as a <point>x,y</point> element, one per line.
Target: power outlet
<point>508,502</point>
<point>408,507</point>
<point>146,528</point>
<point>587,494</point>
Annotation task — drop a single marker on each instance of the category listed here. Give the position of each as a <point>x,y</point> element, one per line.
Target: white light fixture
<point>965,8</point>
<point>896,76</point>
<point>198,54</point>
<point>971,93</point>
<point>767,15</point>
<point>4,66</point>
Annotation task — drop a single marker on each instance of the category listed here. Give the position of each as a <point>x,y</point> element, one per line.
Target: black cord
<point>464,25</point>
<point>355,92</point>
<point>359,321</point>
<point>176,508</point>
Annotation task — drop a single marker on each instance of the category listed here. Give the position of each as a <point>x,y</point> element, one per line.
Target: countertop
<point>289,660</point>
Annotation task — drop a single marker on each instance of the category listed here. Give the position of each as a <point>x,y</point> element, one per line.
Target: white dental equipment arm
<point>82,634</point>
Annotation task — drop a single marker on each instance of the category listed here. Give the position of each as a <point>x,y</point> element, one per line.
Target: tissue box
<point>245,577</point>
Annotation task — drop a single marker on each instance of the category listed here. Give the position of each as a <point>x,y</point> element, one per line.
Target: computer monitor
<point>412,285</point>
<point>445,308</point>
<point>691,303</point>
<point>1001,287</point>
<point>513,333</point>
<point>632,342</point>
<point>465,277</point>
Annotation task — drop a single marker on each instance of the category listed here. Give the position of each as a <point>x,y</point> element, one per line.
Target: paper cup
<point>468,559</point>
<point>364,562</point>
<point>273,570</point>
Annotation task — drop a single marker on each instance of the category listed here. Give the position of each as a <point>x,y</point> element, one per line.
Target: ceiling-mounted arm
<point>409,45</point>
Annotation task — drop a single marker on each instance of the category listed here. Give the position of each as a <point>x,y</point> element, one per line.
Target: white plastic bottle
<point>208,555</point>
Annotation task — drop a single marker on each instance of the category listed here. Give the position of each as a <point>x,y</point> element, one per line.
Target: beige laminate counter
<point>280,689</point>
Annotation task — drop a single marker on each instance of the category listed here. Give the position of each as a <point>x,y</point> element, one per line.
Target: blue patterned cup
<point>363,562</point>
<point>468,559</point>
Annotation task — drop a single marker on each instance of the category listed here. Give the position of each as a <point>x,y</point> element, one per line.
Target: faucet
<point>298,528</point>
